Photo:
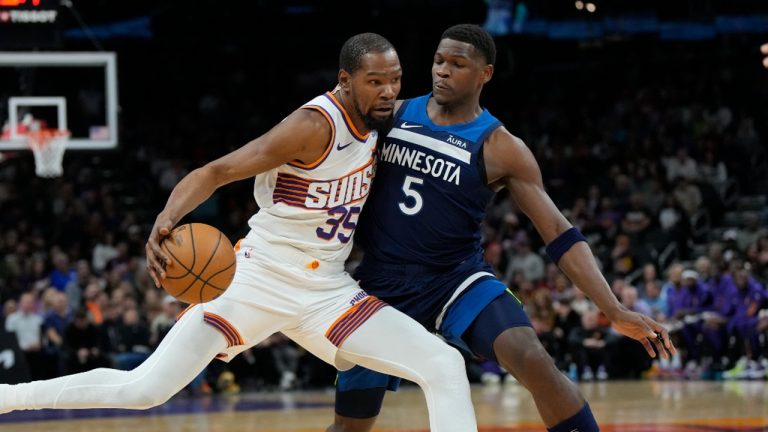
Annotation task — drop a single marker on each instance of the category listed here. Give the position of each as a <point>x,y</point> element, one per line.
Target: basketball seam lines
<point>197,276</point>
<point>194,260</point>
<point>210,258</point>
<point>189,270</point>
<point>194,257</point>
<point>218,273</point>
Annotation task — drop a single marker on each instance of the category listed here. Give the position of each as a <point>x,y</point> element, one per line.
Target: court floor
<point>639,406</point>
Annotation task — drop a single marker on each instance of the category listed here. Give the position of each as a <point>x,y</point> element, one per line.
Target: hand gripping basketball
<point>200,263</point>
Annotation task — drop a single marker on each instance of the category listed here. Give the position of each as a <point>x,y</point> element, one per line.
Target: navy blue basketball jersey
<point>430,193</point>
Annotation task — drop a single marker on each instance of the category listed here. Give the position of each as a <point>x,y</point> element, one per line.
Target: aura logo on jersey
<point>456,141</point>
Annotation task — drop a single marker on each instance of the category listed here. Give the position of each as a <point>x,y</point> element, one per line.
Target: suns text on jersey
<point>333,193</point>
<point>422,162</point>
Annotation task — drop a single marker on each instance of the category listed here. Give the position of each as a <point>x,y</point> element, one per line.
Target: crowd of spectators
<point>655,176</point>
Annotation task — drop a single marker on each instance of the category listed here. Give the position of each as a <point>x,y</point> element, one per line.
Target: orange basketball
<point>202,263</point>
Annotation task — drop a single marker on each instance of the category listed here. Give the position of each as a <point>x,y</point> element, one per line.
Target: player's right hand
<point>644,330</point>
<point>156,259</point>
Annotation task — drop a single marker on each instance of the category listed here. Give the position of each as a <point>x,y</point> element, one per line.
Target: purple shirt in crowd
<point>753,292</point>
<point>686,297</point>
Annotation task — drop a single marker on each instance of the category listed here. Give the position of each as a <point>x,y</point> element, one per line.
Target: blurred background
<point>648,119</point>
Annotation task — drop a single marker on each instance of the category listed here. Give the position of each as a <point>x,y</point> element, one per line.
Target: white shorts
<point>277,288</point>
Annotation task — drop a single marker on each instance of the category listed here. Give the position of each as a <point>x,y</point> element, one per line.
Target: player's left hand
<point>644,330</point>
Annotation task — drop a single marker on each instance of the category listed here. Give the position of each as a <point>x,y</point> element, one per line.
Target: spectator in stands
<point>608,218</point>
<point>751,231</point>
<point>672,219</point>
<point>103,252</point>
<point>580,303</point>
<point>716,316</point>
<point>637,220</point>
<point>622,258</point>
<point>757,254</point>
<point>632,301</point>
<point>649,275</point>
<point>54,325</point>
<point>748,299</point>
<point>83,345</point>
<point>171,175</point>
<point>581,216</point>
<point>655,301</point>
<point>685,303</point>
<point>131,343</point>
<point>688,195</point>
<point>622,191</point>
<point>524,260</point>
<point>26,323</point>
<point>681,166</point>
<point>163,322</point>
<point>589,346</point>
<point>562,287</point>
<point>76,287</point>
<point>617,286</point>
<point>567,320</point>
<point>627,361</point>
<point>712,170</point>
<point>62,273</point>
<point>9,307</point>
<point>92,302</point>
<point>38,279</point>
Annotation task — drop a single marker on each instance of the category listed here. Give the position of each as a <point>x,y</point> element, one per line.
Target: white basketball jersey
<point>314,207</point>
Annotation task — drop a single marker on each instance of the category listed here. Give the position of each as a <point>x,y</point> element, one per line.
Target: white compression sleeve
<point>392,343</point>
<point>184,352</point>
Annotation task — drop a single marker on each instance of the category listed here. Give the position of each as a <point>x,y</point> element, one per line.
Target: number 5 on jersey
<point>410,192</point>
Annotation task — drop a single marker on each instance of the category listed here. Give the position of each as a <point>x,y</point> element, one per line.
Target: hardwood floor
<point>639,406</point>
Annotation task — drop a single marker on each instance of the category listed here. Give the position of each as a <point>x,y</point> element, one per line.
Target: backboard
<point>66,90</point>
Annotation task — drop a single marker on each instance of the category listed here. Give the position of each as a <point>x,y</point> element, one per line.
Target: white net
<point>48,146</point>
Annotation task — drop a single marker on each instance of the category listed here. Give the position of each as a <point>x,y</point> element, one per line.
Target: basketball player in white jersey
<point>313,173</point>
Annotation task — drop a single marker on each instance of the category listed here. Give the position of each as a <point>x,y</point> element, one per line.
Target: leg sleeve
<point>183,353</point>
<point>392,343</point>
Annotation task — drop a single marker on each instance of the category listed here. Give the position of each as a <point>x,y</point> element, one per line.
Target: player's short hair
<point>476,36</point>
<point>359,45</point>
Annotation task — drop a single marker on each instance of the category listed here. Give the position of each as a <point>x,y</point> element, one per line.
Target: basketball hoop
<point>48,146</point>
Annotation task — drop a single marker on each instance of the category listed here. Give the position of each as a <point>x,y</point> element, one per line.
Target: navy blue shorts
<point>472,322</point>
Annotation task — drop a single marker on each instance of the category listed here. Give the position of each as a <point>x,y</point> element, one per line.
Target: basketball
<point>202,263</point>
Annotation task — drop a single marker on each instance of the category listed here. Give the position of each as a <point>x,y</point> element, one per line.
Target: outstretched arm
<point>508,159</point>
<point>302,136</point>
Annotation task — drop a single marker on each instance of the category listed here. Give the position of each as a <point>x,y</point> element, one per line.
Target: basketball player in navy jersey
<point>437,171</point>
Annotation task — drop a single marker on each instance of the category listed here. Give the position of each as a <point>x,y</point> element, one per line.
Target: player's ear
<point>487,73</point>
<point>345,80</point>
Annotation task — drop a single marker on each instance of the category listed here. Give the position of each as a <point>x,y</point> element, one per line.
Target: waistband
<point>404,269</point>
<point>281,253</point>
